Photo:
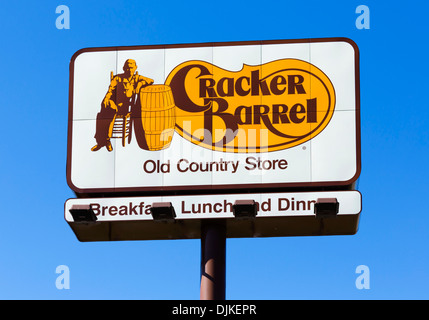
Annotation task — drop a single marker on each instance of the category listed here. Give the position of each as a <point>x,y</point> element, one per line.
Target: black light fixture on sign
<point>163,211</point>
<point>326,207</point>
<point>243,209</point>
<point>82,213</point>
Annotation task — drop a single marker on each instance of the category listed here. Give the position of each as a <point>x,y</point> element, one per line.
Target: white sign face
<point>216,116</point>
<point>293,212</point>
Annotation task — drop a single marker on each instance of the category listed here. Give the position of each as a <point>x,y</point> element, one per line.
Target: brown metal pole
<point>213,249</point>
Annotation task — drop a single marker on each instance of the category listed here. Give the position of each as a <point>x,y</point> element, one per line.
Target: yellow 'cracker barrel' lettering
<point>268,107</point>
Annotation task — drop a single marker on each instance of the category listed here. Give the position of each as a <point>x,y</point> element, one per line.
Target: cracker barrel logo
<point>268,107</point>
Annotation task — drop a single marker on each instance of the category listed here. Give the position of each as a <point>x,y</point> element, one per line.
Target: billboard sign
<point>278,214</point>
<point>214,116</point>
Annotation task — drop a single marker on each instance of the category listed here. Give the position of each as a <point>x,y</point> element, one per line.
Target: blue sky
<point>393,231</point>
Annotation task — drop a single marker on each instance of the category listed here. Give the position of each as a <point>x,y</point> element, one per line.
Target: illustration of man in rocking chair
<point>117,103</point>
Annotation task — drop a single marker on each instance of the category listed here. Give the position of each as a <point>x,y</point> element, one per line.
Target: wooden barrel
<point>158,115</point>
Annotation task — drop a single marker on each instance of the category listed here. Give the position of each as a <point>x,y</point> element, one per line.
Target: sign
<point>278,214</point>
<point>213,117</point>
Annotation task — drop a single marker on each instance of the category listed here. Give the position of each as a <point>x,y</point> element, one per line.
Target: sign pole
<point>213,249</point>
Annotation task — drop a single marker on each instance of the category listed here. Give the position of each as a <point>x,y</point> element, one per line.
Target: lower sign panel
<point>278,215</point>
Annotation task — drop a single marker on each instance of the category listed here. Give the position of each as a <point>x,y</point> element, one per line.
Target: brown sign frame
<point>228,188</point>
